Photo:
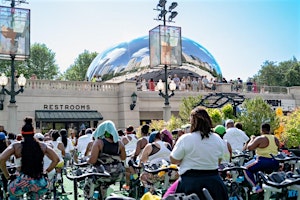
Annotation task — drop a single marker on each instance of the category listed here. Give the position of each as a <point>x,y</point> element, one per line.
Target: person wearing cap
<point>221,130</point>
<point>154,152</point>
<point>236,137</point>
<point>167,137</point>
<point>83,141</point>
<point>109,152</point>
<point>130,142</point>
<point>31,176</point>
<point>198,154</point>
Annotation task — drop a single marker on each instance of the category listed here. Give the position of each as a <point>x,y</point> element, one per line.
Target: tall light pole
<point>165,41</point>
<point>15,31</point>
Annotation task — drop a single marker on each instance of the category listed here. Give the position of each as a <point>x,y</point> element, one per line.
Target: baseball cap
<point>153,136</point>
<point>220,129</point>
<point>228,121</point>
<point>2,136</point>
<point>39,136</point>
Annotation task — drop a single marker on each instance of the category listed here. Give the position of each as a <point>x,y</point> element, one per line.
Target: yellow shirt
<point>270,149</point>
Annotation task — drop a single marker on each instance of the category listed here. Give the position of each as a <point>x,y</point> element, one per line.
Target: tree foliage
<point>77,71</point>
<point>291,133</point>
<point>186,106</point>
<point>215,115</point>
<point>285,73</point>
<point>41,63</point>
<point>255,112</point>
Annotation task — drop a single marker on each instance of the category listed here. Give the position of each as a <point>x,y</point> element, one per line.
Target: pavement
<point>69,189</point>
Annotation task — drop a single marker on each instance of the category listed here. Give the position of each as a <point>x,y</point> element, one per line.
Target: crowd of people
<point>201,83</point>
<point>199,149</point>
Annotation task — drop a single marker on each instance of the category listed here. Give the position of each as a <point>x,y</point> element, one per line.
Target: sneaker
<point>257,189</point>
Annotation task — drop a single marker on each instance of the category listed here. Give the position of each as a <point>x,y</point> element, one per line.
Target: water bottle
<point>240,179</point>
<point>96,195</point>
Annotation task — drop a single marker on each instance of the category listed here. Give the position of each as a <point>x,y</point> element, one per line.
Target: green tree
<point>77,71</point>
<point>227,111</point>
<point>285,73</point>
<point>215,115</point>
<point>255,112</point>
<point>291,134</point>
<point>41,63</point>
<point>186,106</point>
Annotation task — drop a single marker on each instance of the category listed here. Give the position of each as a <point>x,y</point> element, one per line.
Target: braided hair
<point>32,154</point>
<point>201,121</point>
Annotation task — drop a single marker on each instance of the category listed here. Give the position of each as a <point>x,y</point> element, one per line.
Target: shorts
<point>23,184</point>
<point>60,165</point>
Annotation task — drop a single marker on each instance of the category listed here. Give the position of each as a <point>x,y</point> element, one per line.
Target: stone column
<point>127,116</point>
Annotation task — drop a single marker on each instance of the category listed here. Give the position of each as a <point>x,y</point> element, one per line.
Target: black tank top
<point>110,148</point>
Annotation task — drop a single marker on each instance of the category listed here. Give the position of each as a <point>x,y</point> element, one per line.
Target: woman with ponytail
<point>198,154</point>
<point>31,178</point>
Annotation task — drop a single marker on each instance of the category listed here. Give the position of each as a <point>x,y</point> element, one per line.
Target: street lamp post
<point>16,34</point>
<point>12,107</point>
<point>161,7</point>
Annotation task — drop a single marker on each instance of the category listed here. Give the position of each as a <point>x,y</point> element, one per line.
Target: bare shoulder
<point>43,146</point>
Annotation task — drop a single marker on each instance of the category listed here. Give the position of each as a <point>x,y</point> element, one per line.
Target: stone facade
<point>112,100</point>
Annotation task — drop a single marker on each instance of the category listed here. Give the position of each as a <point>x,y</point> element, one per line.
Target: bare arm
<point>96,150</point>
<point>174,161</point>
<point>253,143</point>
<point>230,151</point>
<point>145,154</point>
<point>88,148</point>
<point>122,151</point>
<point>4,156</point>
<point>61,147</point>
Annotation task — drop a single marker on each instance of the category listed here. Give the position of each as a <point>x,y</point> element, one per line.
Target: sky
<point>240,34</point>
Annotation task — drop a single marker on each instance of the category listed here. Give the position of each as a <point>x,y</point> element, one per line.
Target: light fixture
<point>133,98</point>
<point>172,16</point>
<point>172,6</point>
<point>162,14</point>
<point>3,80</point>
<point>161,6</point>
<point>161,3</point>
<point>21,82</point>
<point>161,87</point>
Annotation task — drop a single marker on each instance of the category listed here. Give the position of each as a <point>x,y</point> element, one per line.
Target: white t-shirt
<point>82,143</point>
<point>197,153</point>
<point>236,138</point>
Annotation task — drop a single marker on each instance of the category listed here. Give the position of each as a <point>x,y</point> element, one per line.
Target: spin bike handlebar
<point>233,168</point>
<point>240,155</point>
<point>83,176</point>
<point>154,170</point>
<point>81,164</point>
<point>285,183</point>
<point>284,158</point>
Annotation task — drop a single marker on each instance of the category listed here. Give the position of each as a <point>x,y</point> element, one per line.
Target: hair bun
<point>28,120</point>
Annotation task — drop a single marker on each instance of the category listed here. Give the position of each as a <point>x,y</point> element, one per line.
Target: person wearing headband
<point>31,178</point>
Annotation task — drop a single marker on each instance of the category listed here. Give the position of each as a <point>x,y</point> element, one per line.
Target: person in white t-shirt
<point>236,137</point>
<point>83,142</point>
<point>198,155</point>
